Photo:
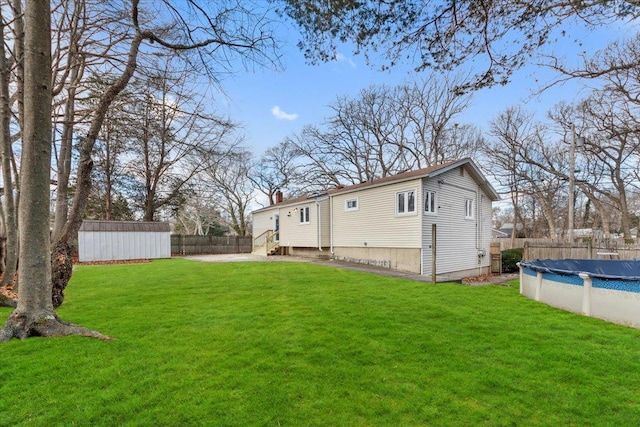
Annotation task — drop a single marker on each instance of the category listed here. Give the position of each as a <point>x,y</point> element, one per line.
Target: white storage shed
<point>123,240</point>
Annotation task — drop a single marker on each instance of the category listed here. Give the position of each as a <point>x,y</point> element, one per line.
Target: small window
<point>304,215</point>
<point>351,205</point>
<point>468,209</point>
<point>406,202</point>
<point>430,202</point>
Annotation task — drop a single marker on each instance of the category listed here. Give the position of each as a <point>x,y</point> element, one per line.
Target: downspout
<point>331,226</point>
<point>479,250</point>
<point>478,218</point>
<point>319,225</point>
<point>482,252</point>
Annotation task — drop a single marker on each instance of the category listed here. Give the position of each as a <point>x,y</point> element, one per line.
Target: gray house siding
<point>459,240</point>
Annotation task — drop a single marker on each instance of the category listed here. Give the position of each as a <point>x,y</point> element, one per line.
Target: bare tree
<point>209,36</point>
<point>200,215</point>
<point>277,170</point>
<point>9,210</point>
<point>111,148</point>
<point>609,65</point>
<point>325,164</point>
<point>170,137</point>
<point>523,160</point>
<point>227,178</point>
<point>504,158</point>
<point>212,37</point>
<point>613,142</point>
<point>427,110</point>
<point>499,37</point>
<point>34,314</point>
<point>386,130</point>
<point>69,64</point>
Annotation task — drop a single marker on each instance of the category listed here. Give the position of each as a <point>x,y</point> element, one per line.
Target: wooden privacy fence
<point>183,244</point>
<point>507,243</point>
<point>588,250</point>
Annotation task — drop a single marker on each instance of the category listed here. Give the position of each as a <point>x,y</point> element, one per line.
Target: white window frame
<point>353,208</point>
<point>305,217</point>
<point>405,202</point>
<point>469,209</point>
<point>430,200</point>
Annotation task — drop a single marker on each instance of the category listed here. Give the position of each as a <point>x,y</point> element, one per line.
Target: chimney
<point>278,196</point>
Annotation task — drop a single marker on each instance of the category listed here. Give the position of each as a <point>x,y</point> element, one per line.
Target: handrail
<point>262,239</point>
<point>266,239</point>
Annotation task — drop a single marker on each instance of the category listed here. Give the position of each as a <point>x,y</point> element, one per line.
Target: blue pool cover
<point>596,268</point>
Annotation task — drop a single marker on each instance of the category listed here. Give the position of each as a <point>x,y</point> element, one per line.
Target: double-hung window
<point>468,209</point>
<point>406,202</point>
<point>430,206</point>
<point>304,215</point>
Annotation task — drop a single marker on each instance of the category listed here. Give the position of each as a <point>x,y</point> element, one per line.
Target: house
<point>500,234</point>
<point>434,221</point>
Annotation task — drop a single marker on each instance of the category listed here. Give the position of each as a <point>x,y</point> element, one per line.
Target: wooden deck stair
<point>274,250</point>
<point>266,244</point>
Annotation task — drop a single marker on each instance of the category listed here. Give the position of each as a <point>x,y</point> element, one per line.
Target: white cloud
<point>279,114</point>
<point>341,58</point>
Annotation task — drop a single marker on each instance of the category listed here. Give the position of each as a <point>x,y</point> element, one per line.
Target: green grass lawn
<point>286,344</point>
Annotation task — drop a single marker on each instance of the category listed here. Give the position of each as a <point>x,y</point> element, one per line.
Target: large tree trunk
<point>34,314</point>
<point>5,141</point>
<point>7,302</point>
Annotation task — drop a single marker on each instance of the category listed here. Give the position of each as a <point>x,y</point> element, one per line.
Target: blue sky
<point>274,104</point>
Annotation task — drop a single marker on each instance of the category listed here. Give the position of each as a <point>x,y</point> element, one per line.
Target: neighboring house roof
<point>500,233</point>
<point>430,172</point>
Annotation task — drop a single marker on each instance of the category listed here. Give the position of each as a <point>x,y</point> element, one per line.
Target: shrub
<point>510,258</point>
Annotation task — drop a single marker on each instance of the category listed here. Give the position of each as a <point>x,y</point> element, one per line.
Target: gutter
<point>319,212</point>
<point>331,226</point>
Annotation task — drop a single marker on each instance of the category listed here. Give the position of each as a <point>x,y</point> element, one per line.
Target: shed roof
<point>139,226</point>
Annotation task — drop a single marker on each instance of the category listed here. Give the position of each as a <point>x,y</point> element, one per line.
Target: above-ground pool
<point>606,289</point>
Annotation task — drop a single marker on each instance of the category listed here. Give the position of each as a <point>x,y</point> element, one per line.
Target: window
<point>468,209</point>
<point>351,204</point>
<point>304,215</point>
<point>430,202</point>
<point>406,202</point>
